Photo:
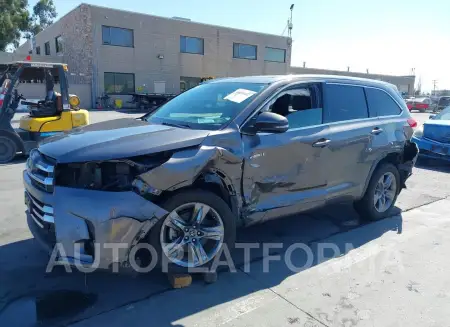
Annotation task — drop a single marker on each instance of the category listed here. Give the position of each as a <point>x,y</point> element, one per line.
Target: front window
<point>59,44</point>
<point>122,37</point>
<point>47,48</point>
<point>207,106</point>
<point>276,55</point>
<point>244,51</point>
<point>191,45</point>
<point>119,83</point>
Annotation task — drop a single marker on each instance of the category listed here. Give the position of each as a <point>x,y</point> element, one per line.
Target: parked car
<point>442,103</point>
<point>420,104</point>
<point>433,138</point>
<point>228,153</point>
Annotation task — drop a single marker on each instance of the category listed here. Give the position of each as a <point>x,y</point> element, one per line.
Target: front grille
<point>40,212</point>
<point>42,219</point>
<point>41,171</point>
<point>437,133</point>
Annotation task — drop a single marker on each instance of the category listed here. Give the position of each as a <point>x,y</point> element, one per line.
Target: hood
<point>437,122</point>
<point>438,130</point>
<point>120,138</point>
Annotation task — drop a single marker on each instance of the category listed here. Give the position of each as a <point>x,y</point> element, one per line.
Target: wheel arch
<point>395,158</point>
<point>214,181</point>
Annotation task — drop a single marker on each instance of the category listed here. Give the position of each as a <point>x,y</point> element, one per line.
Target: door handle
<point>377,131</point>
<point>321,143</point>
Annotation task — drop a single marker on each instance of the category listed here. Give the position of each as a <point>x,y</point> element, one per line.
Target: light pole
<point>290,22</point>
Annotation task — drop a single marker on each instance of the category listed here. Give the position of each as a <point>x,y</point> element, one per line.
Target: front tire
<point>193,234</point>
<point>379,200</point>
<point>8,149</point>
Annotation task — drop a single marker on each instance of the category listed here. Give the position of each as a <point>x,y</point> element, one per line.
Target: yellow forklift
<point>57,113</point>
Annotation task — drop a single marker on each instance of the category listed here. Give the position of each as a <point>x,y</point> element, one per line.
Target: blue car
<point>433,138</point>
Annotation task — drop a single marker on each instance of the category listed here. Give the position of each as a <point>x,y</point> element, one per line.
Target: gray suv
<point>227,153</point>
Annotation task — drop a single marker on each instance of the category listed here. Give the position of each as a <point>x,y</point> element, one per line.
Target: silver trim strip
<point>45,208</point>
<point>36,220</point>
<point>46,218</point>
<point>47,181</point>
<point>47,168</point>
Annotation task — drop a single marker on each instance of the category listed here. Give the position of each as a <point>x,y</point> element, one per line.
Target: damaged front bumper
<point>86,224</point>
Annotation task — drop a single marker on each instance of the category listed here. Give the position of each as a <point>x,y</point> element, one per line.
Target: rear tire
<point>8,149</point>
<point>182,199</point>
<point>369,208</point>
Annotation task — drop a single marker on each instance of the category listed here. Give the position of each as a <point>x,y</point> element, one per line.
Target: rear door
<point>391,136</point>
<point>351,135</point>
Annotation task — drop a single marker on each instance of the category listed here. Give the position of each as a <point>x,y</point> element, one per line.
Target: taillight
<point>412,122</point>
<point>1,103</point>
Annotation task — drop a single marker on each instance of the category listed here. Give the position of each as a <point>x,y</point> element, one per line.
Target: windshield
<point>207,106</point>
<point>443,115</point>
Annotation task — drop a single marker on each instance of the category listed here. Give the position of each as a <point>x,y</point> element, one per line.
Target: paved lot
<point>397,275</point>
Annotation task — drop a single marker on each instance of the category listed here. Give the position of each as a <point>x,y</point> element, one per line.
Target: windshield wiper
<point>176,125</point>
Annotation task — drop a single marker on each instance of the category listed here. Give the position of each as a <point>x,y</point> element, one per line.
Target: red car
<point>420,104</point>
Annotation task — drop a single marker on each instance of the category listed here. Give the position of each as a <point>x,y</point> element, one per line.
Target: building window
<point>244,51</point>
<point>191,45</point>
<point>274,54</point>
<point>119,83</point>
<point>38,50</point>
<point>47,48</point>
<point>121,37</point>
<point>59,44</point>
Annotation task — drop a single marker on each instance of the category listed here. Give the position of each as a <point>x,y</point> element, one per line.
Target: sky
<point>383,36</point>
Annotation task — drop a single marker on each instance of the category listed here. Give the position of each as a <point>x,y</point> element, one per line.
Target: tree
<point>44,12</point>
<point>14,19</point>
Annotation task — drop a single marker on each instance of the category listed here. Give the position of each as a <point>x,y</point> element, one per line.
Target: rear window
<point>381,104</point>
<point>444,101</point>
<point>344,102</point>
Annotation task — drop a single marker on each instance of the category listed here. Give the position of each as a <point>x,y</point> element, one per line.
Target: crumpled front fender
<point>184,167</point>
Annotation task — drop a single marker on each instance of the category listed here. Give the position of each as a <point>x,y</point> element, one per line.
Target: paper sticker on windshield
<point>239,95</point>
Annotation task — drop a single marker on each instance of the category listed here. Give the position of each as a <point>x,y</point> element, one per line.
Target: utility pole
<point>434,86</point>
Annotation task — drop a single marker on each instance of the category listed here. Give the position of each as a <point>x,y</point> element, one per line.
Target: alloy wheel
<point>192,234</point>
<point>385,192</point>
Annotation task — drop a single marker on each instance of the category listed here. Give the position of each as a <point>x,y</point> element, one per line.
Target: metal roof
<point>269,79</point>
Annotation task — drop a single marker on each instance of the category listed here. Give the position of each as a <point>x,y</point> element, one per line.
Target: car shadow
<point>433,164</point>
<point>23,279</point>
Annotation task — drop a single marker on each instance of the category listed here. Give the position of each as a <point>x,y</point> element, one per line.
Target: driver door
<point>283,172</point>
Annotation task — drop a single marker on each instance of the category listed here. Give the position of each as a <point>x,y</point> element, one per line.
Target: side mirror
<point>431,116</point>
<point>270,122</point>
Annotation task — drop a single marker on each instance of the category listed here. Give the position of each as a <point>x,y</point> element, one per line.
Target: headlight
<point>74,101</point>
<point>418,132</point>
